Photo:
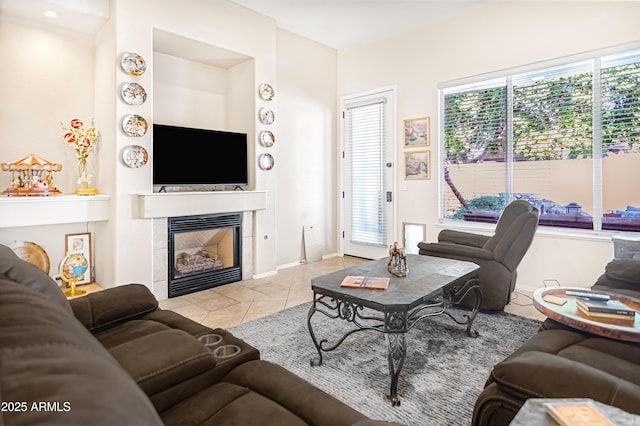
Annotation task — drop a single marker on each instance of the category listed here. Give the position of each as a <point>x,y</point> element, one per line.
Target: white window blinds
<point>365,128</point>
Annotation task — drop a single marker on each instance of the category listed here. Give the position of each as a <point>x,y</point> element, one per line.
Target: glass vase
<point>84,182</point>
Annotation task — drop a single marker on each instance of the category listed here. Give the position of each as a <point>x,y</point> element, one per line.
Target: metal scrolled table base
<point>394,324</point>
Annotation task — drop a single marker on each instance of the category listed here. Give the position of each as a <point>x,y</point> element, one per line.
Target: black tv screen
<point>185,156</point>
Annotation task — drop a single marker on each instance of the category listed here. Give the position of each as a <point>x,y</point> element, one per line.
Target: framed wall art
<point>416,132</point>
<point>417,165</point>
<point>81,243</point>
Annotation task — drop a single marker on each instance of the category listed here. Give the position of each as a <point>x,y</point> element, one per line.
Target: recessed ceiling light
<point>50,14</point>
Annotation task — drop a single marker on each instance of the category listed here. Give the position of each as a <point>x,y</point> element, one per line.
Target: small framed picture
<point>417,165</point>
<point>416,132</point>
<point>412,234</point>
<point>81,243</point>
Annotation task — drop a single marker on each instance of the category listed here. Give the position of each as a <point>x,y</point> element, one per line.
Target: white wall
<point>306,144</point>
<point>32,105</point>
<point>491,37</point>
<point>188,93</point>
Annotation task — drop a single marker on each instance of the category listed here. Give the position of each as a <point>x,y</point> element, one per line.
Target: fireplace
<point>204,252</point>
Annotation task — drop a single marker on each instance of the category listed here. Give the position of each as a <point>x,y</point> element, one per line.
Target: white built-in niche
<point>199,85</point>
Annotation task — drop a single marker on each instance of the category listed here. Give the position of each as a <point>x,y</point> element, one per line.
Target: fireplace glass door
<point>204,252</point>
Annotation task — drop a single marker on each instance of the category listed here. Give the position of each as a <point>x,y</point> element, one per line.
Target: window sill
<point>542,231</point>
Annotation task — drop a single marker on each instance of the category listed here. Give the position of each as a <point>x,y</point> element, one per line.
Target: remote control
<point>585,295</point>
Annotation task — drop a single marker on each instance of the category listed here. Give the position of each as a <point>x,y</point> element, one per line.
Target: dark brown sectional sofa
<point>115,358</point>
<point>561,362</point>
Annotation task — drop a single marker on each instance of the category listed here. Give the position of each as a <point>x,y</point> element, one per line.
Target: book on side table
<point>577,414</point>
<point>605,309</point>
<point>370,283</point>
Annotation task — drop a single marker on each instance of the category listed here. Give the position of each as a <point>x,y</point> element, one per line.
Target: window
<point>564,137</point>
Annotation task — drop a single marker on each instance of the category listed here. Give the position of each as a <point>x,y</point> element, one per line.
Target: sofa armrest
<point>455,250</point>
<point>541,375</point>
<point>463,238</point>
<point>107,308</point>
<point>620,276</point>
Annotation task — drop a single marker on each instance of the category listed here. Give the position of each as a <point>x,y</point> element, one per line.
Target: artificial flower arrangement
<point>83,142</point>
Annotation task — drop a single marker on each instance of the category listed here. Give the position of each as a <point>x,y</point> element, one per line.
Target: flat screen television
<point>184,156</point>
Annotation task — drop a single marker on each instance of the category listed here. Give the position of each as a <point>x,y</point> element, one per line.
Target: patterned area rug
<point>443,374</point>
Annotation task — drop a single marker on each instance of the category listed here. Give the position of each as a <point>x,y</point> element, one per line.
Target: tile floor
<point>232,304</point>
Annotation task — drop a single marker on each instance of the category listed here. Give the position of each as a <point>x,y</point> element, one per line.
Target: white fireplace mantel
<point>173,204</point>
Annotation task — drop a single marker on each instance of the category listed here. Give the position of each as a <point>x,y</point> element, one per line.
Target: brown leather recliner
<point>561,362</point>
<point>114,357</point>
<point>498,256</point>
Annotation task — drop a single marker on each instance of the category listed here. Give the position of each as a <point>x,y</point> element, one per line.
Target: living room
<point>53,74</point>
<point>82,80</point>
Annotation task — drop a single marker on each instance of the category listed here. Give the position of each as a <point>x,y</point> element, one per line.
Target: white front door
<point>369,174</point>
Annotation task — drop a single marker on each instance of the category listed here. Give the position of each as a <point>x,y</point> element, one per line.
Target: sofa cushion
<point>164,359</point>
<point>262,393</point>
<point>47,357</point>
<point>14,269</point>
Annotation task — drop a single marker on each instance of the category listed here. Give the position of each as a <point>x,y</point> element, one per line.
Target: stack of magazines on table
<point>605,309</point>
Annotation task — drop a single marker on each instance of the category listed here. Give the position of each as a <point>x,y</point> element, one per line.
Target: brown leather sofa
<point>561,362</point>
<point>498,256</point>
<point>115,358</point>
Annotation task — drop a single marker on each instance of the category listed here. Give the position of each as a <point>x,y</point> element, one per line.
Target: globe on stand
<point>72,269</point>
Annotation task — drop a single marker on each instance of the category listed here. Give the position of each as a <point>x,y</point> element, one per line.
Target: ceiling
<point>85,16</point>
<point>341,24</point>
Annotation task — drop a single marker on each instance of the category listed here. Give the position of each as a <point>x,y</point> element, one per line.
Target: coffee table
<point>432,286</point>
<point>570,315</point>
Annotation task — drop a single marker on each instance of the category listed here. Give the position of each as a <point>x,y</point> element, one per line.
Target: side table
<point>569,314</point>
<point>533,412</point>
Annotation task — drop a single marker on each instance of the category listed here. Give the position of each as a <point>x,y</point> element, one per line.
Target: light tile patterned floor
<point>232,304</point>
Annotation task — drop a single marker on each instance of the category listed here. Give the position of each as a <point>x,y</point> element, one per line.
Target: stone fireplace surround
<point>161,206</point>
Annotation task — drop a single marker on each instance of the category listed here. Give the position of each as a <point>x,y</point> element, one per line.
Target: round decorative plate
<point>135,156</point>
<point>32,253</point>
<point>267,116</point>
<point>266,91</point>
<point>266,138</point>
<point>266,162</point>
<point>134,125</point>
<point>133,64</point>
<point>133,94</point>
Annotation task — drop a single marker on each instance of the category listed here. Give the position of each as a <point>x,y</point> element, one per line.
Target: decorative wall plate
<point>133,93</point>
<point>135,156</point>
<point>32,253</point>
<point>266,138</point>
<point>267,116</point>
<point>266,162</point>
<point>266,91</point>
<point>133,64</point>
<point>134,125</point>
